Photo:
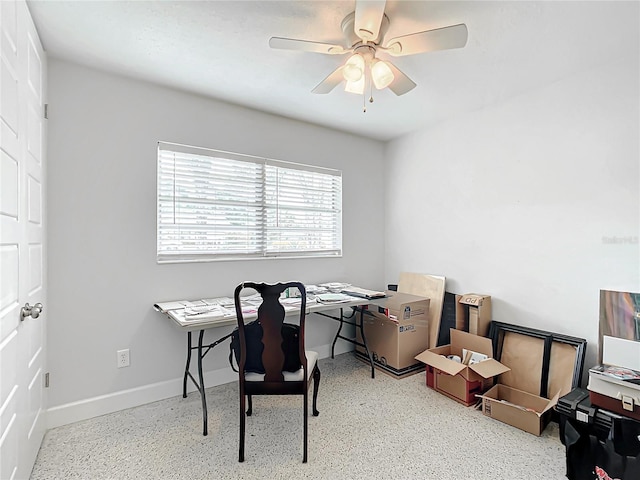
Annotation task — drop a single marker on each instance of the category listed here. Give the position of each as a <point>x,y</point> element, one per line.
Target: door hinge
<point>46,380</point>
<point>46,110</point>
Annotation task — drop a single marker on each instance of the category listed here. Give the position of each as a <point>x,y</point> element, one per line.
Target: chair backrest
<point>271,316</point>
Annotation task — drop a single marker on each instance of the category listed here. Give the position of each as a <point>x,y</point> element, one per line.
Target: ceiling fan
<point>364,31</point>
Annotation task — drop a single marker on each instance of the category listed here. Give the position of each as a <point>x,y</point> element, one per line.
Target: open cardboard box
<point>518,408</point>
<point>516,399</point>
<point>457,380</point>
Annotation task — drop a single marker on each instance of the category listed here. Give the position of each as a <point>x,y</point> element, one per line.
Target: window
<point>215,205</point>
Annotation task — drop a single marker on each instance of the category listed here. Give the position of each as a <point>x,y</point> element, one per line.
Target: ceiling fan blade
<point>443,38</point>
<point>401,83</point>
<point>368,19</point>
<point>329,83</point>
<point>306,46</point>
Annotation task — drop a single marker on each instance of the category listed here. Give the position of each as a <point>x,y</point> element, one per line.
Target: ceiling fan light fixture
<point>355,86</point>
<point>353,69</point>
<point>381,74</point>
<point>365,32</point>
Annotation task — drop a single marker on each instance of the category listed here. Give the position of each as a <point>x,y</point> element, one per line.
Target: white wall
<point>516,200</point>
<point>520,200</point>
<point>103,274</point>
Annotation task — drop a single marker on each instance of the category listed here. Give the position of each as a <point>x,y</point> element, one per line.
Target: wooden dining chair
<point>275,380</point>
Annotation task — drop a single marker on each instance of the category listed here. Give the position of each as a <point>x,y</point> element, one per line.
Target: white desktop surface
<point>175,310</point>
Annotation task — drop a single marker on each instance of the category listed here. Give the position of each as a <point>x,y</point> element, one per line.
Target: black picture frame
<point>498,329</point>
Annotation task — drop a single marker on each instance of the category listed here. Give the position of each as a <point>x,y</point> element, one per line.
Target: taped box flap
<point>489,368</point>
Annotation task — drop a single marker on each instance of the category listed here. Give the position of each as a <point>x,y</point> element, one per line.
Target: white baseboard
<point>113,402</point>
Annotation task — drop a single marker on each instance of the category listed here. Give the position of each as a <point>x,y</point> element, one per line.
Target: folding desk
<point>175,311</point>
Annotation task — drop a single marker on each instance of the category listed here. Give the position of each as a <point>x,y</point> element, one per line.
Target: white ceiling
<point>220,49</point>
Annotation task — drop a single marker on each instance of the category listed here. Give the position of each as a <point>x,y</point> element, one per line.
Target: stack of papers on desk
<point>335,287</point>
<point>177,305</point>
<point>206,311</point>
<point>362,292</point>
<point>222,301</point>
<point>294,303</point>
<point>333,298</point>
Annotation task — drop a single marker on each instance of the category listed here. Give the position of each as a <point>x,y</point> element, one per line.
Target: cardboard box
<point>516,399</point>
<point>456,387</point>
<point>473,313</point>
<point>517,408</point>
<point>395,333</point>
<point>459,381</point>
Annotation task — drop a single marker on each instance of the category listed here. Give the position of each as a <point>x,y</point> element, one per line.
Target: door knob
<point>31,310</point>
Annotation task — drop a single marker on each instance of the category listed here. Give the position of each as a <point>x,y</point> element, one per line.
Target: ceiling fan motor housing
<point>368,52</point>
<point>352,39</point>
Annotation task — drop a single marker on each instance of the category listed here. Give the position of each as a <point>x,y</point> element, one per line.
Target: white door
<point>22,237</point>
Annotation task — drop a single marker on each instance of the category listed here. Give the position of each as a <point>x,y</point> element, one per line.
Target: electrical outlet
<point>123,358</point>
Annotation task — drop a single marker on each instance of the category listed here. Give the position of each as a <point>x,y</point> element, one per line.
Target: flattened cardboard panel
<point>561,366</point>
<point>619,316</point>
<point>429,286</point>
<point>524,355</point>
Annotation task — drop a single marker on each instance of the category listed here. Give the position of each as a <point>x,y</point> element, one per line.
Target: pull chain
<point>370,91</point>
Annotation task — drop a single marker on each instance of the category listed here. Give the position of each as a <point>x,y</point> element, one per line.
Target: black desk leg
<point>333,345</point>
<point>186,368</point>
<point>364,341</point>
<point>201,385</point>
<point>352,340</point>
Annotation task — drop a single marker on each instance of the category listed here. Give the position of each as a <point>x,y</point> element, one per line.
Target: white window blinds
<point>215,205</point>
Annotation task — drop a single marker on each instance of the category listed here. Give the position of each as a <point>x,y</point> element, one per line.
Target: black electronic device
<point>596,439</point>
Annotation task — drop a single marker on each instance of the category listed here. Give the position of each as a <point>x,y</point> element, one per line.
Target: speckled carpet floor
<point>380,428</point>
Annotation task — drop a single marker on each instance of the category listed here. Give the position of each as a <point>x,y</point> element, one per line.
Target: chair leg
<point>242,426</point>
<point>250,409</point>
<point>316,384</point>
<point>305,427</point>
